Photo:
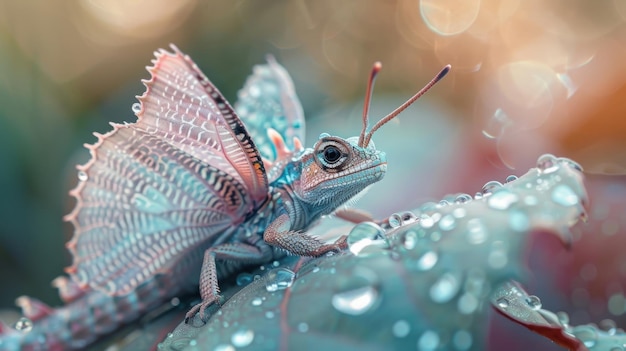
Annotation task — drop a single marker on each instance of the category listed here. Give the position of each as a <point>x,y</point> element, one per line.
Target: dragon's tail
<point>86,315</point>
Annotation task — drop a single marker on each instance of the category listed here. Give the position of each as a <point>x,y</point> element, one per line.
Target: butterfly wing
<point>268,100</point>
<point>154,190</point>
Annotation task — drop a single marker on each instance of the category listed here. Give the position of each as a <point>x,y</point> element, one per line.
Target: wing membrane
<point>154,190</point>
<point>268,100</point>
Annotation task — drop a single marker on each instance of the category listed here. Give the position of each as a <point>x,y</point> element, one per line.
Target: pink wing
<point>156,189</point>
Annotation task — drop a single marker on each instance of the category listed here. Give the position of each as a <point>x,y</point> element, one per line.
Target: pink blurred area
<point>528,77</point>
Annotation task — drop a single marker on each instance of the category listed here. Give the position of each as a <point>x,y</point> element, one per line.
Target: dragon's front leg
<point>279,234</point>
<point>243,253</point>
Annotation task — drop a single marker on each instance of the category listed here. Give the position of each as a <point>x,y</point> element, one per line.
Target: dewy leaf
<point>512,301</point>
<point>426,285</point>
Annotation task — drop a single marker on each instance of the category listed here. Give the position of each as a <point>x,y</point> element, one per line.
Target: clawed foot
<point>200,309</point>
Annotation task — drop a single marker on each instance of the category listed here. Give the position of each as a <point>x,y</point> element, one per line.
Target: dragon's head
<point>337,169</point>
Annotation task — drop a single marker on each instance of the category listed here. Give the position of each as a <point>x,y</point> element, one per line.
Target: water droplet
<point>575,165</point>
<point>564,195</point>
<point>175,301</point>
<point>401,328</point>
<point>443,203</point>
<point>316,269</point>
<point>476,231</point>
<point>534,302</point>
<point>459,212</point>
<point>136,107</point>
<point>491,186</point>
<point>531,200</point>
<point>24,325</point>
<point>563,318</point>
<point>511,178</point>
<point>462,198</point>
<point>502,199</point>
<point>257,301</point>
<point>519,221</point>
<point>395,221</point>
<point>275,263</point>
<point>467,303</point>
<point>503,302</point>
<point>445,288</point>
<point>447,222</point>
<point>427,261</point>
<point>609,326</point>
<point>363,235</point>
<point>478,196</point>
<point>82,176</point>
<point>242,337</point>
<point>244,279</point>
<point>356,294</point>
<point>587,334</point>
<point>428,341</point>
<point>303,327</point>
<point>462,340</point>
<point>426,221</point>
<point>547,163</point>
<point>409,239</point>
<point>497,258</point>
<point>279,279</point>
<point>408,217</point>
<point>355,302</point>
<point>269,314</point>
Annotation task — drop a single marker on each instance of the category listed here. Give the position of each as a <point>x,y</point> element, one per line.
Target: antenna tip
<point>376,67</point>
<point>443,72</point>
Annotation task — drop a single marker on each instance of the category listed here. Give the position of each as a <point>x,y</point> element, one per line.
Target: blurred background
<point>528,77</point>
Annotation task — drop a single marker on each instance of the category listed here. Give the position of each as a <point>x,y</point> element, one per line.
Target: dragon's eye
<point>331,154</point>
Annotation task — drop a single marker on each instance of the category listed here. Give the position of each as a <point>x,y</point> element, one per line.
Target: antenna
<point>368,99</point>
<point>365,139</point>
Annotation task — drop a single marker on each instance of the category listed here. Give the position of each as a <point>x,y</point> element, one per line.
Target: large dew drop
<point>357,294</point>
<point>365,235</point>
<point>279,279</point>
<point>491,186</point>
<point>547,163</point>
<point>355,302</point>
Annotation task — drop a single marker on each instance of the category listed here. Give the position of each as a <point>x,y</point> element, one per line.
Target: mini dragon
<point>192,191</point>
